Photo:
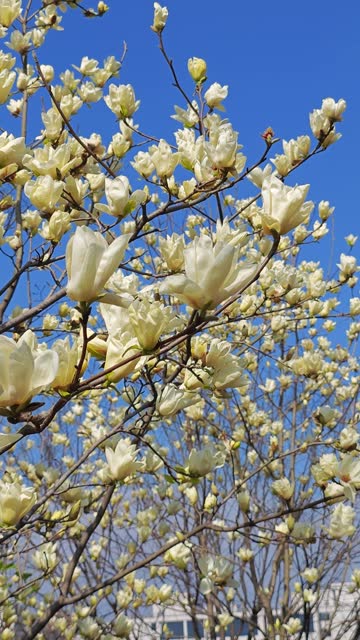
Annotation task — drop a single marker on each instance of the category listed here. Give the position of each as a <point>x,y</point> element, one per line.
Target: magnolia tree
<point>178,384</point>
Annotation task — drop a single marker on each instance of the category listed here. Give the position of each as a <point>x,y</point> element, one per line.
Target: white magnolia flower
<point>222,146</point>
<point>217,571</point>
<point>49,161</point>
<point>56,227</point>
<point>322,128</point>
<point>121,346</point>
<point>215,95</point>
<point>15,502</point>
<point>69,357</point>
<point>122,626</point>
<point>172,251</point>
<point>283,206</point>
<point>143,164</point>
<point>197,69</point>
<point>121,100</point>
<point>179,555</point>
<point>149,319</point>
<point>212,274</point>
<point>120,200</point>
<point>188,117</point>
<point>44,192</point>
<point>283,488</point>
<point>258,175</point>
<point>160,17</point>
<point>333,110</point>
<point>9,11</point>
<point>348,473</point>
<point>171,399</point>
<point>201,462</point>
<point>163,159</point>
<point>24,369</point>
<point>45,558</point>
<point>341,522</point>
<point>90,262</point>
<point>122,460</point>
<point>11,149</point>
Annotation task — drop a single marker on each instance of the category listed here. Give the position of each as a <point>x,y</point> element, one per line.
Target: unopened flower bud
<point>197,69</point>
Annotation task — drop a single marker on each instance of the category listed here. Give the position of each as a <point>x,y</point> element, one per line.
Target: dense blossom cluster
<point>175,400</point>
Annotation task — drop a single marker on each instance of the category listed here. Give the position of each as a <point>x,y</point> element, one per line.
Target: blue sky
<point>279,60</point>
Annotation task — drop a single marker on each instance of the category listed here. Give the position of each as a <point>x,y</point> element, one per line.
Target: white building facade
<point>336,619</point>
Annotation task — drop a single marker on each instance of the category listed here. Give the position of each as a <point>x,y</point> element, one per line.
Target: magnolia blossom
<point>122,626</point>
<point>283,488</point>
<point>68,359</point>
<point>325,469</point>
<point>348,438</point>
<point>341,522</point>
<point>325,210</point>
<point>120,201</point>
<point>172,251</point>
<point>171,399</point>
<point>348,473</point>
<point>187,146</point>
<point>163,159</point>
<point>196,377</point>
<point>197,69</point>
<point>245,554</point>
<point>294,152</point>
<point>311,574</point>
<point>212,274</point>
<point>121,346</point>
<point>217,571</point>
<point>49,161</point>
<point>293,626</point>
<point>121,100</point>
<point>11,149</point>
<point>90,262</point>
<point>122,460</point>
<point>31,221</point>
<point>201,462</point>
<point>88,66</point>
<point>243,498</point>
<point>53,123</point>
<point>283,206</point>
<point>227,369</point>
<point>188,117</point>
<point>322,128</point>
<point>15,502</point>
<point>179,555</point>
<point>215,95</point>
<point>119,145</point>
<point>149,319</point>
<point>56,227</point>
<point>25,370</point>
<point>44,192</point>
<point>347,266</point>
<point>70,105</point>
<point>303,532</point>
<point>143,164</point>
<point>9,11</point>
<point>88,92</point>
<point>333,110</point>
<point>258,175</point>
<point>160,17</point>
<point>45,558</point>
<point>222,147</point>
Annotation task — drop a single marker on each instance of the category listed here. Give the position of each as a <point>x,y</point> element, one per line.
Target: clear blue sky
<point>279,58</point>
